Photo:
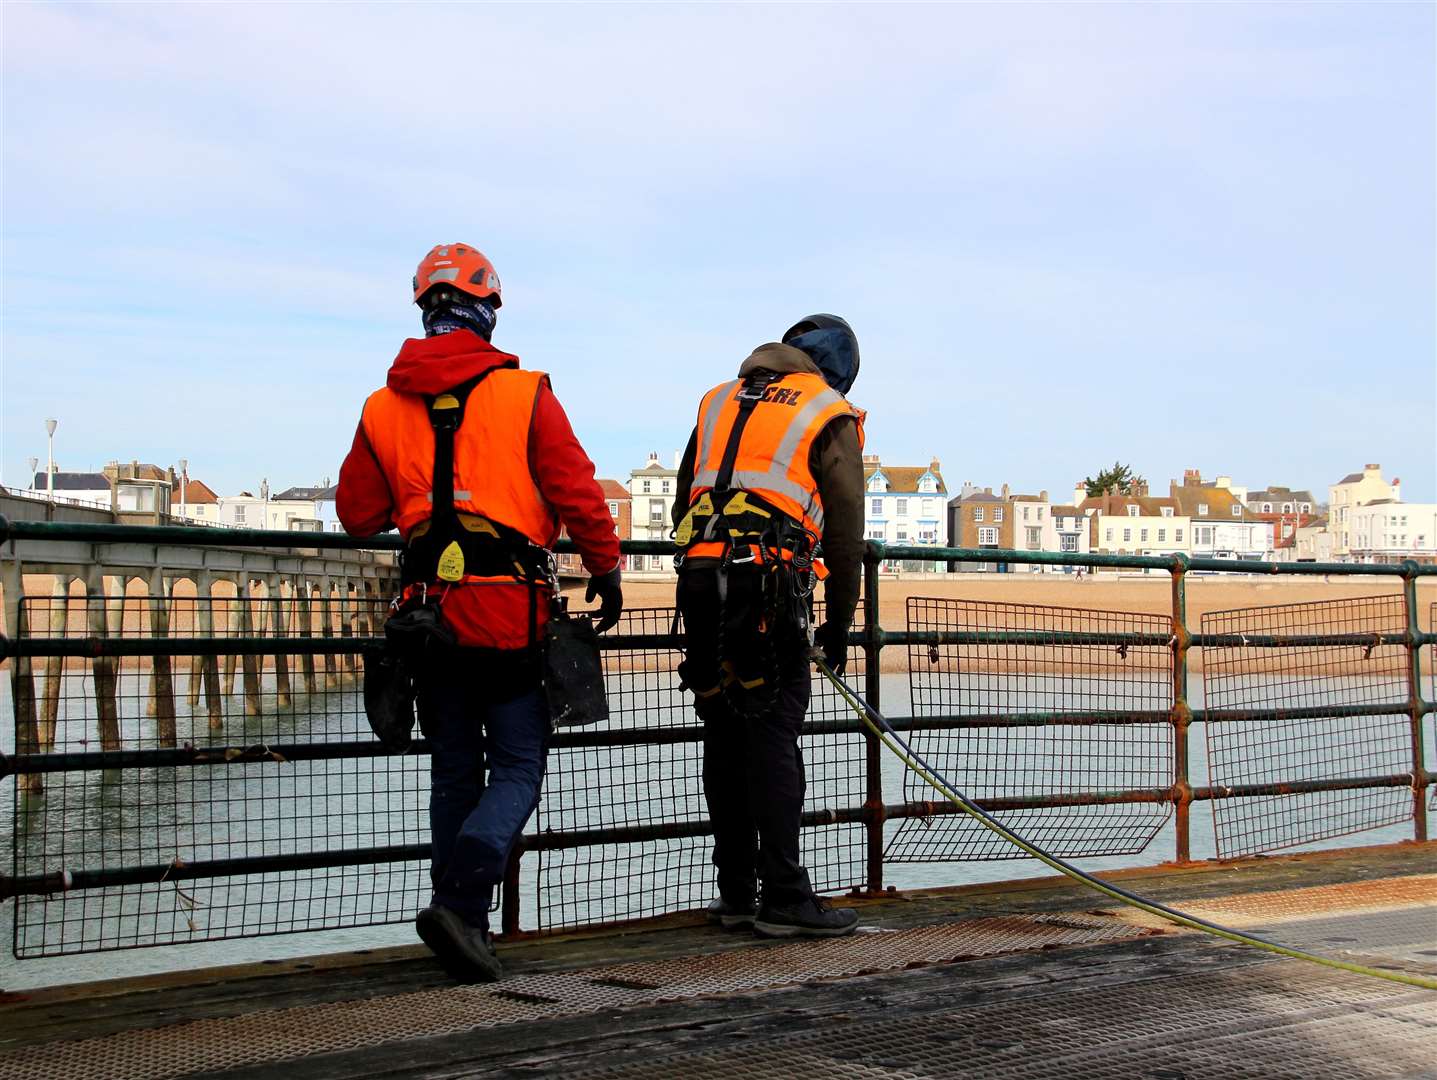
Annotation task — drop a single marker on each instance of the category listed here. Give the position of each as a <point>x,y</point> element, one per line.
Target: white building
<point>652,493</point>
<point>93,489</point>
<point>1222,525</point>
<point>248,511</point>
<point>1386,530</point>
<point>1351,492</point>
<point>904,506</point>
<point>1070,531</point>
<point>320,498</point>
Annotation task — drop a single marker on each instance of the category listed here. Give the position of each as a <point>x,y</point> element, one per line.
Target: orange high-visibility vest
<point>773,450</point>
<point>491,455</point>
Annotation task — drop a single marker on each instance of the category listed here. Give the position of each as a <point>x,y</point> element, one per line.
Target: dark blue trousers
<point>487,763</point>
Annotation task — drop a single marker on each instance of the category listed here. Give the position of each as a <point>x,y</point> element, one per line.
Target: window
<point>656,513</point>
<point>1035,538</point>
<point>1144,536</point>
<point>1202,509</point>
<point>875,534</point>
<point>1058,523</point>
<point>1266,508</point>
<point>988,537</point>
<point>1162,536</point>
<point>1167,511</point>
<point>997,513</point>
<point>1306,507</point>
<point>1025,513</point>
<point>613,509</point>
<point>928,536</point>
<point>902,533</point>
<point>978,514</point>
<point>877,507</point>
<point>1178,536</point>
<point>1237,509</point>
<point>1069,542</point>
<point>902,508</point>
<point>1040,513</point>
<point>1109,535</point>
<point>1132,511</point>
<point>1127,535</point>
<point>928,508</point>
<point>664,487</point>
<point>239,515</point>
<point>648,486</point>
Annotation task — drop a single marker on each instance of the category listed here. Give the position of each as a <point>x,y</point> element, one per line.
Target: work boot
<point>464,951</point>
<point>809,917</point>
<point>732,916</point>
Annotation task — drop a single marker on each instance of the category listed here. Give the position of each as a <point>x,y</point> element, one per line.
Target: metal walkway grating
<point>286,1034</point>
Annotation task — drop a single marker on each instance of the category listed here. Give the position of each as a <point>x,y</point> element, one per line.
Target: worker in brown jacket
<point>774,468</point>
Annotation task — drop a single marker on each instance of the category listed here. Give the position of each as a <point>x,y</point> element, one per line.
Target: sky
<point>1179,236</point>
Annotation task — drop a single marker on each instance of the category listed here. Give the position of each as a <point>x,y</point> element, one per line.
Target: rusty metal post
<point>873,806</point>
<point>162,685</point>
<point>1415,705</point>
<point>104,668</point>
<point>1181,711</point>
<point>58,626</point>
<point>22,675</point>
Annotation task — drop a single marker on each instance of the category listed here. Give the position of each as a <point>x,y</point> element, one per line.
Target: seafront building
<point>1352,491</point>
<point>620,509</point>
<point>904,506</point>
<point>1222,526</point>
<point>651,493</point>
<point>1136,524</point>
<point>1286,510</point>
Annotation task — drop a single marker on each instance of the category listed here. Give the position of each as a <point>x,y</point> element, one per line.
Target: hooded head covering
<point>447,310</point>
<point>830,343</point>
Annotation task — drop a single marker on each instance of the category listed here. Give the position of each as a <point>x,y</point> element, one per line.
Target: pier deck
<point>1024,979</point>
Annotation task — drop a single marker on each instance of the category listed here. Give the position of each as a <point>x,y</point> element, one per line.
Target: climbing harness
<point>876,723</point>
<point>743,535</point>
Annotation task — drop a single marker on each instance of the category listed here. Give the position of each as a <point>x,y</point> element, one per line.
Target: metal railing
<point>1075,721</point>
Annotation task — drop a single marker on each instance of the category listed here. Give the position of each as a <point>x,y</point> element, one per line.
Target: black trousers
<point>753,769</point>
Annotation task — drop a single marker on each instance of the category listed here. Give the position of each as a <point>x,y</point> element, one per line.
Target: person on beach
<point>773,467</point>
<point>473,460</point>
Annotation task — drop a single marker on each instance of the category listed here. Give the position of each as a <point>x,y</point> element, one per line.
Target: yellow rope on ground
<point>880,727</point>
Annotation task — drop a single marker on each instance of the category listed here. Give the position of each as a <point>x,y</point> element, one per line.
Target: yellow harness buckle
<point>451,563</point>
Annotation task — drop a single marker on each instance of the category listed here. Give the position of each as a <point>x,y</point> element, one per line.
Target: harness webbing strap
<point>749,395</point>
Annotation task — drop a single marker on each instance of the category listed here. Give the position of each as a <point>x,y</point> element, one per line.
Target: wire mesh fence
<point>266,793</point>
<point>1050,702</point>
<point>1300,697</point>
<point>200,793</point>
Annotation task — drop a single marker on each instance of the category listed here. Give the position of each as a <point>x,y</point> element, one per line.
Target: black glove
<point>611,598</point>
<point>833,640</point>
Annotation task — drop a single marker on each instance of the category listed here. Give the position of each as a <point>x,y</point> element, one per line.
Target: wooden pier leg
<point>58,626</point>
<point>279,626</point>
<point>162,683</point>
<point>246,589</point>
<point>347,617</point>
<point>326,628</point>
<point>232,627</point>
<point>22,676</point>
<point>209,665</point>
<point>304,612</point>
<point>104,668</point>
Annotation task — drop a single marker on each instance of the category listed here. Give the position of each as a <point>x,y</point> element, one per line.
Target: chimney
<point>934,466</point>
<point>870,459</point>
<point>1140,489</point>
<point>1043,495</point>
<point>1372,470</point>
<point>1224,482</point>
<point>987,491</point>
<point>1396,489</point>
<point>1080,493</point>
<point>1005,491</point>
<point>1192,478</point>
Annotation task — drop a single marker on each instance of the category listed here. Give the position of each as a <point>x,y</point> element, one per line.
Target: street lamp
<point>50,458</point>
<point>184,485</point>
<point>34,464</point>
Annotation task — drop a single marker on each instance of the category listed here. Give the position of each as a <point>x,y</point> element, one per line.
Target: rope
<point>875,722</point>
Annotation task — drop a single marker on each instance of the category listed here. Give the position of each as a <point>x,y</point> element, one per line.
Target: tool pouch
<point>573,675</point>
<point>414,637</point>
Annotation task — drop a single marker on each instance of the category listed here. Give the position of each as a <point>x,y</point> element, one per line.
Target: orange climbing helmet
<point>458,266</point>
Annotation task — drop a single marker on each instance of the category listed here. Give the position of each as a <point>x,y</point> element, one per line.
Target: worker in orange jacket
<point>473,460</point>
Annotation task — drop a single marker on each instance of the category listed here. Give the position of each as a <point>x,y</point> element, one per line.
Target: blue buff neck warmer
<point>450,315</point>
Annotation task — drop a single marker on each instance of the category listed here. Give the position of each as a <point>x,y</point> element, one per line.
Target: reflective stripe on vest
<point>773,453</point>
<point>491,455</point>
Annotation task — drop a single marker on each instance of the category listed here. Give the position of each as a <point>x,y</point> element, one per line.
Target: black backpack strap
<point>749,395</point>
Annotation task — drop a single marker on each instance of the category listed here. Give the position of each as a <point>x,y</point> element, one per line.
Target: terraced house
<point>1222,525</point>
<point>1136,524</point>
<point>904,505</point>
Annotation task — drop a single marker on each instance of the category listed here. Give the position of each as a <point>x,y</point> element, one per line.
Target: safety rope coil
<point>876,723</point>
